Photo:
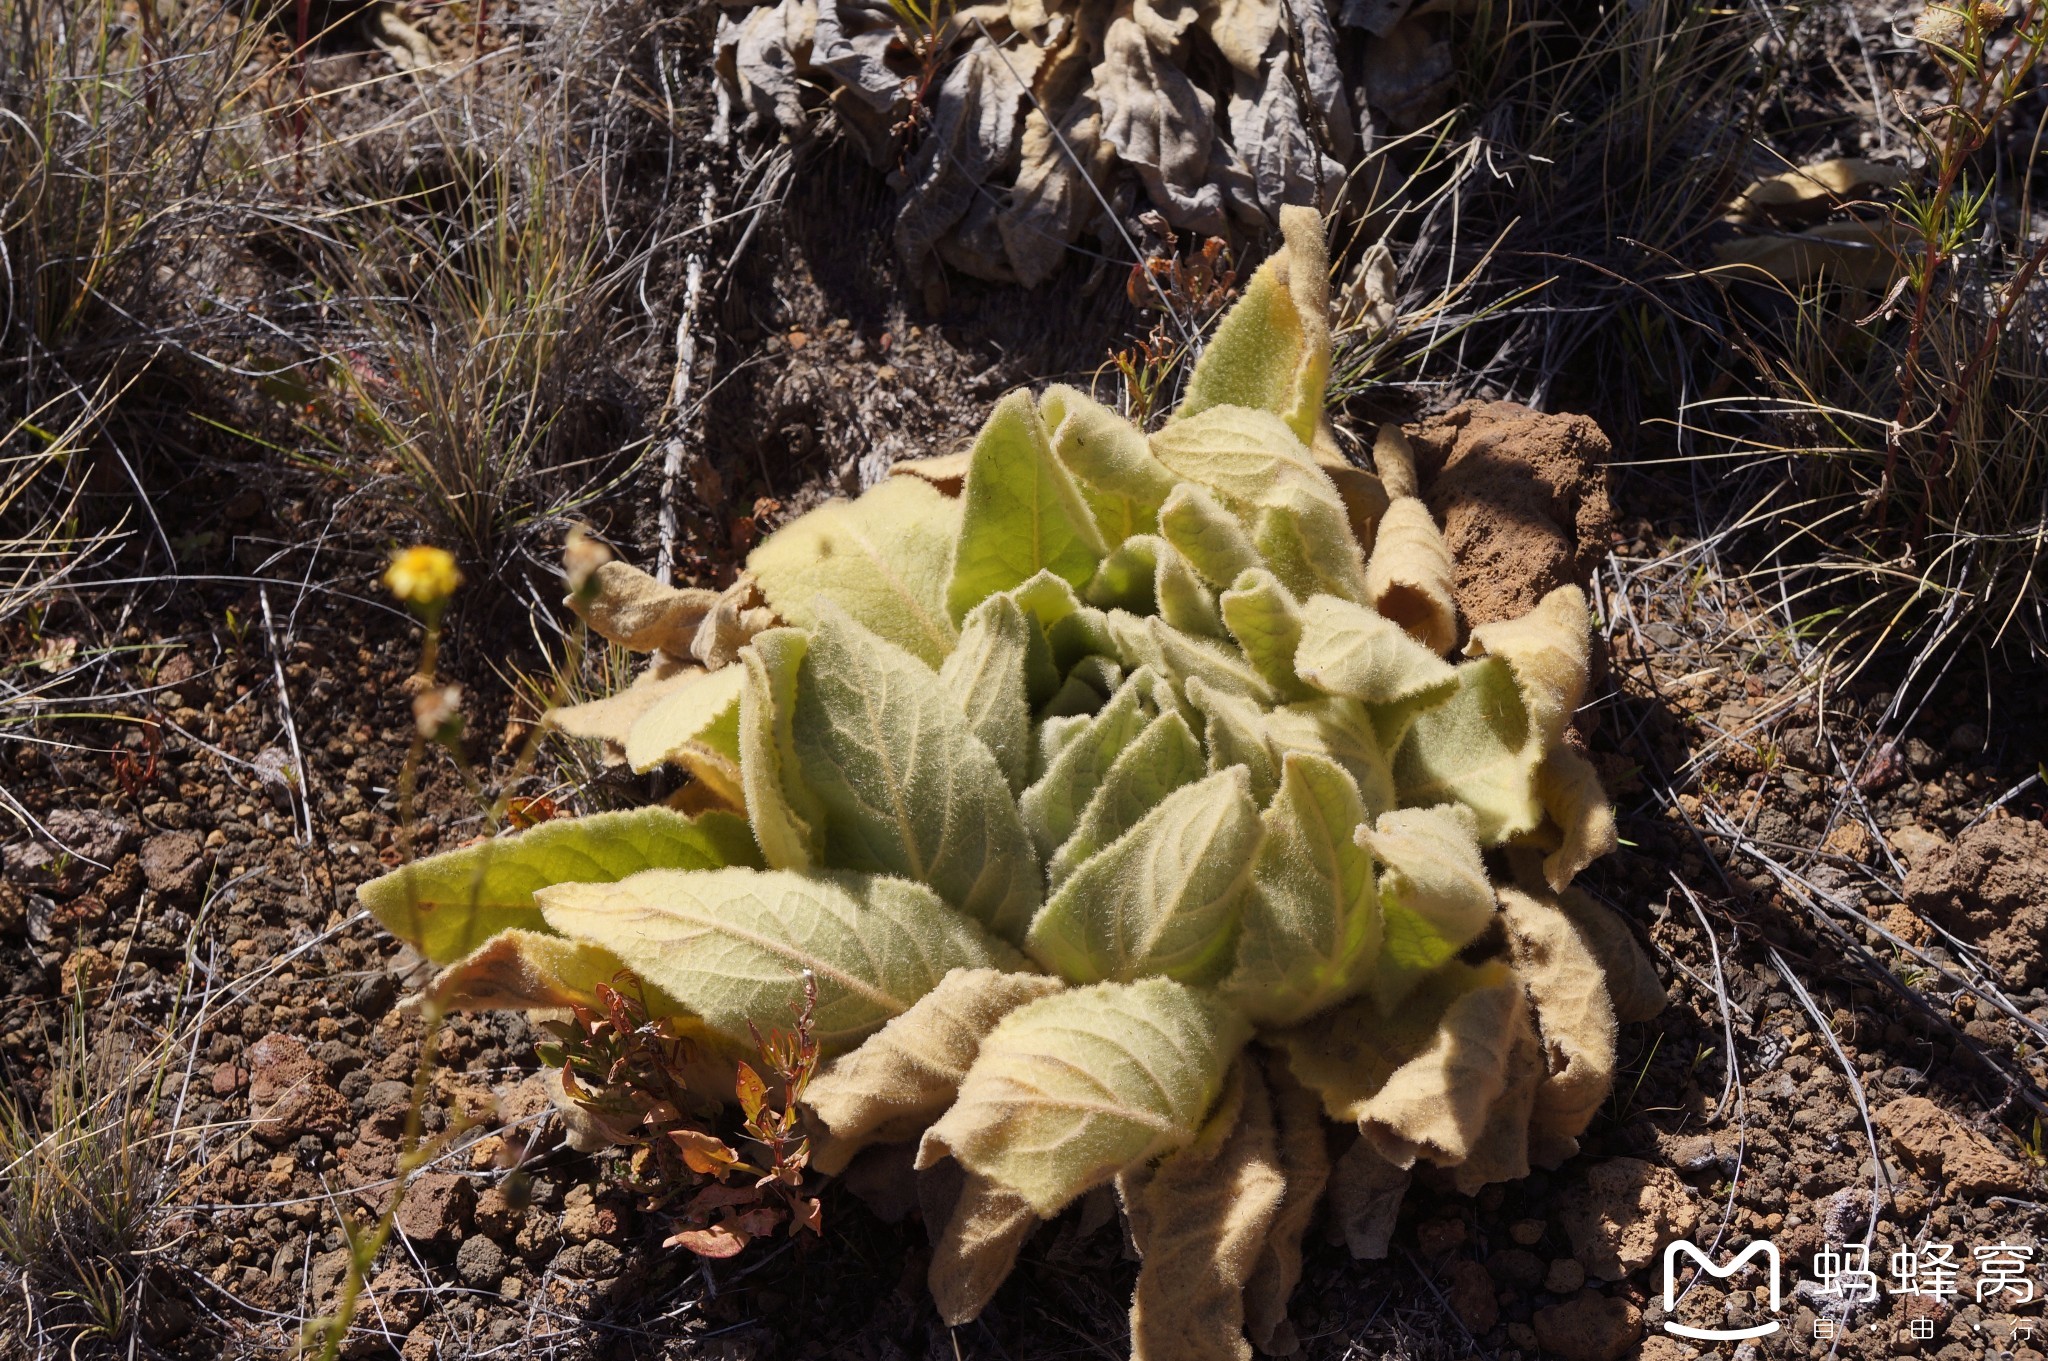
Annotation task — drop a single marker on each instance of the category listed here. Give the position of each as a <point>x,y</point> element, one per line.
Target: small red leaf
<point>718,1241</point>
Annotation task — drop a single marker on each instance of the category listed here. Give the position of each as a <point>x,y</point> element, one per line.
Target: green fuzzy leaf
<point>1271,350</point>
<point>1263,617</point>
<point>1054,736</point>
<point>1125,579</point>
<point>698,728</point>
<point>1348,649</point>
<point>985,675</point>
<point>448,905</point>
<point>1339,730</point>
<point>1209,536</point>
<point>1053,805</point>
<point>1123,483</point>
<point>1185,602</point>
<point>1165,756</point>
<point>1161,899</point>
<point>733,946</point>
<point>1311,923</point>
<point>906,786</point>
<point>1023,513</point>
<point>885,559</point>
<point>1101,674</point>
<point>1307,540</point>
<point>1243,455</point>
<point>787,818</point>
<point>1178,656</point>
<point>1070,1090</point>
<point>1475,748</point>
<point>1435,897</point>
<point>1077,696</point>
<point>1235,733</point>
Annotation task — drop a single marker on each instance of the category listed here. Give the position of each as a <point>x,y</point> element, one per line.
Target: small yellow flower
<point>422,576</point>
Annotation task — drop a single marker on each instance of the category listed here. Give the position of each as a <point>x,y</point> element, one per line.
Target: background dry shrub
<point>1910,393</point>
<point>116,147</point>
<point>87,1172</point>
<point>471,242</point>
<point>1539,238</point>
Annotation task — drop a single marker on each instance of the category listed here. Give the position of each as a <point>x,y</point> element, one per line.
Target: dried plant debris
<point>1014,130</point>
<point>1116,807</point>
<point>1812,222</point>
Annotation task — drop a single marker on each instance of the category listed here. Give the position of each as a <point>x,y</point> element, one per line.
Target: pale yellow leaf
<point>787,818</point>
<point>885,559</point>
<point>734,946</point>
<point>1070,1090</point>
<point>1123,483</point>
<point>631,608</point>
<point>986,1228</point>
<point>698,728</point>
<point>1569,787</point>
<point>1271,351</point>
<point>1435,896</point>
<point>1310,933</point>
<point>1209,536</point>
<point>1340,730</point>
<point>1162,898</point>
<point>1574,1012</point>
<point>1549,650</point>
<point>1478,749</point>
<point>1305,1168</point>
<point>1348,649</point>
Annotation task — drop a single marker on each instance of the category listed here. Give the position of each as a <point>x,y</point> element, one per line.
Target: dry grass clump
<point>1909,390</point>
<point>472,316</point>
<point>87,1174</point>
<point>1538,236</point>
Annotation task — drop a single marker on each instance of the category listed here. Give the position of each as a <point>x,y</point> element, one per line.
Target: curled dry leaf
<point>1813,190</point>
<point>1365,1200</point>
<point>1301,1145</point>
<point>1410,575</point>
<point>986,1228</point>
<point>1012,125</point>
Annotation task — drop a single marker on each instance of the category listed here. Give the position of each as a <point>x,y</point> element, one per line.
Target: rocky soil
<point>1848,907</point>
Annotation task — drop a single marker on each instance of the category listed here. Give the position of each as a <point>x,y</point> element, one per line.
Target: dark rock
<point>185,679</point>
<point>1469,1291</point>
<point>388,1093</point>
<point>93,834</point>
<point>1516,1268</point>
<point>480,1262</point>
<point>374,995</point>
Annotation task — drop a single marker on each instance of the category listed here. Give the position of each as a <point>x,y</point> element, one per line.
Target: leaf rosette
<point>1137,818</point>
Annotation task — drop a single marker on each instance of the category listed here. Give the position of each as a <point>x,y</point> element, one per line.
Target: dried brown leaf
<point>1304,1155</point>
<point>904,1076</point>
<point>1200,1220</point>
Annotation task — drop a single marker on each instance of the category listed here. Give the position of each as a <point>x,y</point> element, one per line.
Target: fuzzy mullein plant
<point>1141,816</point>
